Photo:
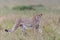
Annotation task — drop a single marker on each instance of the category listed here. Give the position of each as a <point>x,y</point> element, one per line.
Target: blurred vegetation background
<point>10,10</point>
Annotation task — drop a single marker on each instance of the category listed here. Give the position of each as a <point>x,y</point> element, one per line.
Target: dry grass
<point>50,21</point>
<point>49,25</point>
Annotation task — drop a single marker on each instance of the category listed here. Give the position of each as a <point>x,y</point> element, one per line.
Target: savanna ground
<point>49,24</point>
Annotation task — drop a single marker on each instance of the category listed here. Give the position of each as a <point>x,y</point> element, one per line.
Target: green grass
<point>8,17</point>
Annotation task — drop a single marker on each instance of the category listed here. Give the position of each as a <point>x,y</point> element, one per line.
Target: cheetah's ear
<point>41,14</point>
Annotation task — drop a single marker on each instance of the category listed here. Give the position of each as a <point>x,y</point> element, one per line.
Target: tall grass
<point>8,17</point>
<point>23,8</point>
